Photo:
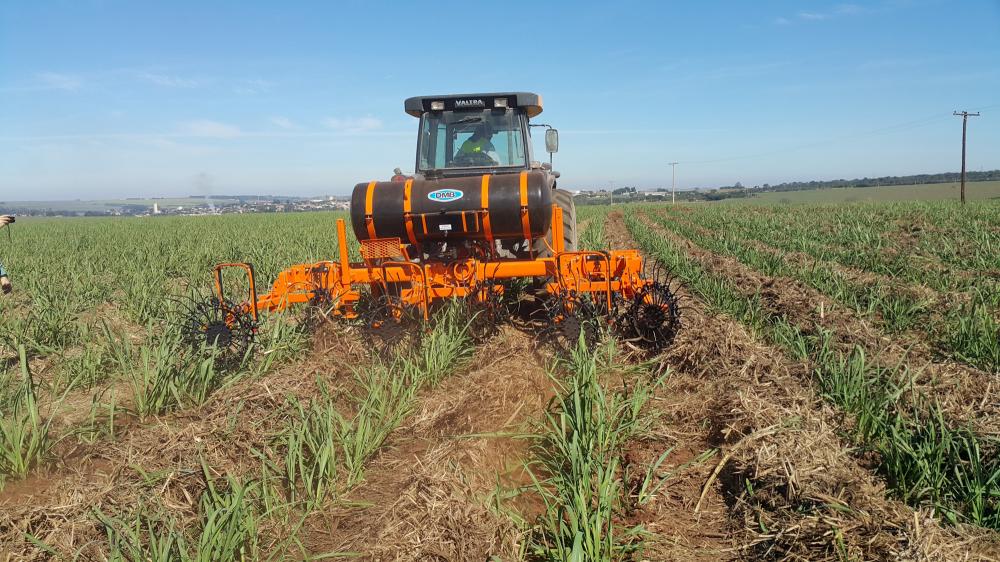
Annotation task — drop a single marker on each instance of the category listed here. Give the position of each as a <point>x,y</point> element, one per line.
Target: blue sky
<point>112,99</point>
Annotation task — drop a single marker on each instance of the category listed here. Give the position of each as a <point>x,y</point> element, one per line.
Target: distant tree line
<point>738,190</point>
<point>947,177</point>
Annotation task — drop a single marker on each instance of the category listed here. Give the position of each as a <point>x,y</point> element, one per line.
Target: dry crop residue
<point>159,460</point>
<point>965,393</point>
<point>790,485</point>
<point>427,495</point>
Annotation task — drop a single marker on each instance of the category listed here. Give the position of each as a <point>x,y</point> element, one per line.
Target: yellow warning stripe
<point>486,208</point>
<point>369,219</point>
<point>525,220</point>
<point>407,211</point>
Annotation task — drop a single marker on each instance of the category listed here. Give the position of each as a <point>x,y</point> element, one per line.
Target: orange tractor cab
<point>480,221</point>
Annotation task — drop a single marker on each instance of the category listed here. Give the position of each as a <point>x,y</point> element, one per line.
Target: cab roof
<point>531,103</point>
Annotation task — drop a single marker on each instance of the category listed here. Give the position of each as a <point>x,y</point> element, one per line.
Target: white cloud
<point>284,123</point>
<point>56,81</point>
<point>252,86</point>
<point>840,10</point>
<point>168,81</point>
<point>353,124</point>
<point>848,9</point>
<point>208,128</point>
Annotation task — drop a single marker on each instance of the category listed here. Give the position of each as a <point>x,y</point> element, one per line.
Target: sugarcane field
<point>618,307</point>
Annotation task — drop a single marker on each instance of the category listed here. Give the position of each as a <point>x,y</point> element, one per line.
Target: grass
<point>310,461</point>
<point>164,374</point>
<point>896,311</point>
<point>227,527</point>
<point>105,328</point>
<point>385,397</point>
<point>163,378</point>
<point>127,272</point>
<point>48,327</point>
<point>973,333</point>
<point>323,450</point>
<point>921,243</point>
<point>25,438</point>
<point>975,191</point>
<point>576,469</point>
<point>593,237</point>
<point>966,332</point>
<point>922,456</point>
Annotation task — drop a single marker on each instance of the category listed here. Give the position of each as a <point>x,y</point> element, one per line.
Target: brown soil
<point>426,495</point>
<point>810,496</point>
<point>965,393</point>
<point>159,459</point>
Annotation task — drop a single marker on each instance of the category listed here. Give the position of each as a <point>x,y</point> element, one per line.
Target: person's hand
<point>5,220</point>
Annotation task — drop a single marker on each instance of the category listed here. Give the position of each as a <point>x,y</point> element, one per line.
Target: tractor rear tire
<point>565,201</point>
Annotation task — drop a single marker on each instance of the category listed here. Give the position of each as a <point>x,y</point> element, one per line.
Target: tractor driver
<point>479,143</point>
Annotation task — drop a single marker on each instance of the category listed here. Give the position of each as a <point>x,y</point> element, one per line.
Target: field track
<point>427,492</point>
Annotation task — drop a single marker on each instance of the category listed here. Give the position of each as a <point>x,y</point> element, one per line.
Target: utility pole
<point>965,125</point>
<point>673,182</point>
<point>612,192</point>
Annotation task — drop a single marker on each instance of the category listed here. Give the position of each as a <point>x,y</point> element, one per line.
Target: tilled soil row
<point>160,462</point>
<point>785,485</point>
<point>905,240</point>
<point>938,303</point>
<point>965,394</point>
<point>854,275</point>
<point>427,495</point>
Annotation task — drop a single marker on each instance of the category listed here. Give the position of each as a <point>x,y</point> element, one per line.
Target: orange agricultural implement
<point>480,221</point>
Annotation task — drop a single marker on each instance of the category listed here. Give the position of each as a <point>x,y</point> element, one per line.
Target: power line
<point>965,125</point>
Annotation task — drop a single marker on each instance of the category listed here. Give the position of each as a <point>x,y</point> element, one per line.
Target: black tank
<point>453,208</point>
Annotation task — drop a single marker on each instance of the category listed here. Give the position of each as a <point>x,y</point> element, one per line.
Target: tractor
<point>480,221</point>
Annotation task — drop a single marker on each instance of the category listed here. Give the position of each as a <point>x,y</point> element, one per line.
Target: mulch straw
<point>790,485</point>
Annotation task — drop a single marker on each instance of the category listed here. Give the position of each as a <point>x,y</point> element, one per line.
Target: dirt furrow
<point>787,485</point>
<point>854,275</point>
<point>427,496</point>
<point>159,461</point>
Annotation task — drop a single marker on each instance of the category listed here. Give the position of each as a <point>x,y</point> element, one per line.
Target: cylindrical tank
<point>477,208</point>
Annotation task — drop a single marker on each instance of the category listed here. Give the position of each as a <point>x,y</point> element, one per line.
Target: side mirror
<point>551,141</point>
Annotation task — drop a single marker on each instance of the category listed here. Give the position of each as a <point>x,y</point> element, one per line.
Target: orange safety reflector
<point>525,220</point>
<point>407,208</point>
<point>369,219</point>
<point>486,208</point>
